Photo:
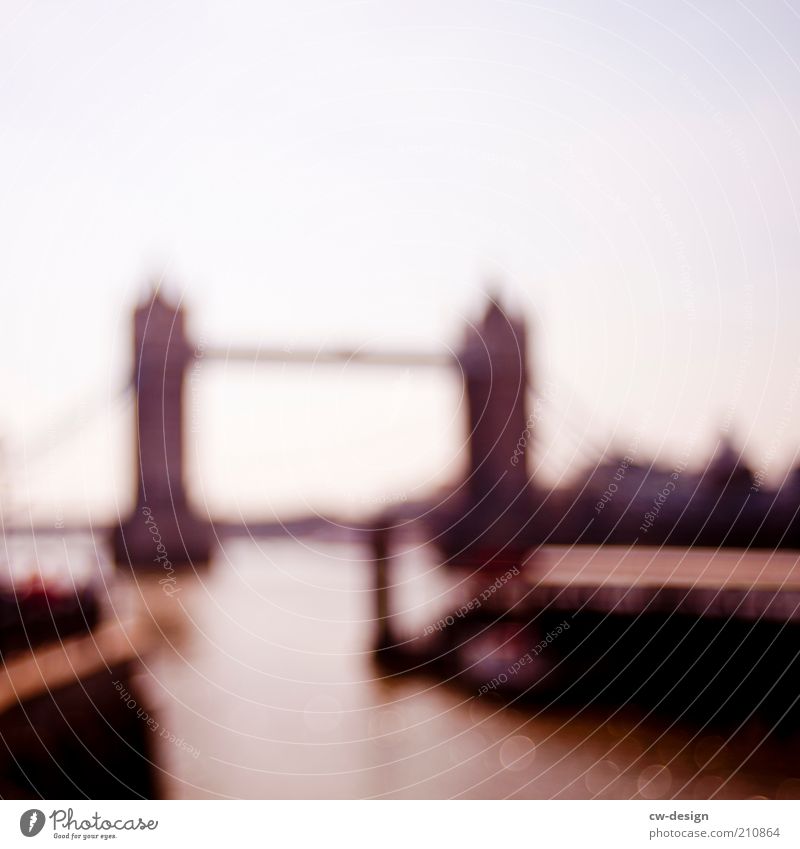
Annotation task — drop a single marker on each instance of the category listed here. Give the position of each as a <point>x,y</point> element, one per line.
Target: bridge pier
<point>163,531</point>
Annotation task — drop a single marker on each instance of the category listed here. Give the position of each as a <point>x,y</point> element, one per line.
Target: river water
<point>265,687</point>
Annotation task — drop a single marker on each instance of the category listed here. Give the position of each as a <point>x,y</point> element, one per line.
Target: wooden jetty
<point>713,635</point>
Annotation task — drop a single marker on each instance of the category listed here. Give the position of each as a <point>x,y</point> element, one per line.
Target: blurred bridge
<point>626,609</point>
<point>620,500</point>
<point>492,364</point>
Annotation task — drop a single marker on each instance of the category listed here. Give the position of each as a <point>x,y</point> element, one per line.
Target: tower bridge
<point>630,608</point>
<point>492,365</point>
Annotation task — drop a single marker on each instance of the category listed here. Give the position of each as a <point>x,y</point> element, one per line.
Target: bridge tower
<point>493,361</point>
<point>491,510</point>
<point>163,530</point>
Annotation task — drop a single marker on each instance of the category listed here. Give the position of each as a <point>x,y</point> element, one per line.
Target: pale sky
<point>351,173</point>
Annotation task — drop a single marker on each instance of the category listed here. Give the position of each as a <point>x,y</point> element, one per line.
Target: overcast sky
<point>312,173</point>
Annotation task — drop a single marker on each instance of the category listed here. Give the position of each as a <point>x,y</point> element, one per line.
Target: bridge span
<point>491,362</point>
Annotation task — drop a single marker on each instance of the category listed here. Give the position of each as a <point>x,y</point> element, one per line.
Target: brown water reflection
<point>265,669</point>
